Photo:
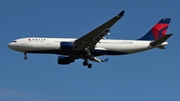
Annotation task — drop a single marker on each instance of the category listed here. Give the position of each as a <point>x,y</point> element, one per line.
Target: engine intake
<point>64,60</point>
<point>66,45</point>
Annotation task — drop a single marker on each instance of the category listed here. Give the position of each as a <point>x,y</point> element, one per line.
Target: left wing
<point>99,60</point>
<point>92,38</point>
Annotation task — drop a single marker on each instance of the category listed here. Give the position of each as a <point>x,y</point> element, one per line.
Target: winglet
<point>161,40</point>
<point>121,13</point>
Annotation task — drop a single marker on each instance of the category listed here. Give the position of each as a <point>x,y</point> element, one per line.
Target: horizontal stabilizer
<point>99,60</point>
<point>105,60</point>
<point>160,40</point>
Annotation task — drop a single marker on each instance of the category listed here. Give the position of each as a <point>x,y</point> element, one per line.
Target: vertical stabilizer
<point>158,31</point>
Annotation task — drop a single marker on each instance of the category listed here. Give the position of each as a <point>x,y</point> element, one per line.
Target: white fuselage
<point>45,45</point>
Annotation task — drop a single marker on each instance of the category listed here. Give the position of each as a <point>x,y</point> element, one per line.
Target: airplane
<point>94,43</point>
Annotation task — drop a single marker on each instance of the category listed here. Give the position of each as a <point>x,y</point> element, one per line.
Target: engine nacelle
<point>64,60</point>
<point>66,45</point>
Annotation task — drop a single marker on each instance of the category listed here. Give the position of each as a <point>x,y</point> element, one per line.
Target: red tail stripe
<point>157,28</point>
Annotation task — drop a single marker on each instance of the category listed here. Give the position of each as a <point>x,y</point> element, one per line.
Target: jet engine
<point>64,60</point>
<point>66,45</point>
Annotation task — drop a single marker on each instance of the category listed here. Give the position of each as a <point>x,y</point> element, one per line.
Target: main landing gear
<point>85,63</point>
<point>88,55</point>
<point>25,56</point>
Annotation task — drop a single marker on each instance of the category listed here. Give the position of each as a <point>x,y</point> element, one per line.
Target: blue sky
<point>151,76</point>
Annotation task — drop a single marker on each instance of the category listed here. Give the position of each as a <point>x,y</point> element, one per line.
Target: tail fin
<point>158,31</point>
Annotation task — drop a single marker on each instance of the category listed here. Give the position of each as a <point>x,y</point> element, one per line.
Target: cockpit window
<point>14,41</point>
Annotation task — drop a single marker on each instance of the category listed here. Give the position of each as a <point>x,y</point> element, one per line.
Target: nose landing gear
<point>25,56</point>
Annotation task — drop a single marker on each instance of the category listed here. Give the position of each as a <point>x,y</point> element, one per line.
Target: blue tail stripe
<point>165,20</point>
<point>148,36</point>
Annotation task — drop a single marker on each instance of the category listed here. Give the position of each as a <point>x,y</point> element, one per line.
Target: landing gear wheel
<point>25,57</point>
<point>89,66</point>
<point>85,63</point>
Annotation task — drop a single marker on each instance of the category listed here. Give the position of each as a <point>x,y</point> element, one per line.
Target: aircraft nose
<point>15,46</point>
<point>10,45</point>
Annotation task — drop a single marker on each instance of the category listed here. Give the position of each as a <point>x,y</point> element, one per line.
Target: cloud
<point>15,95</point>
